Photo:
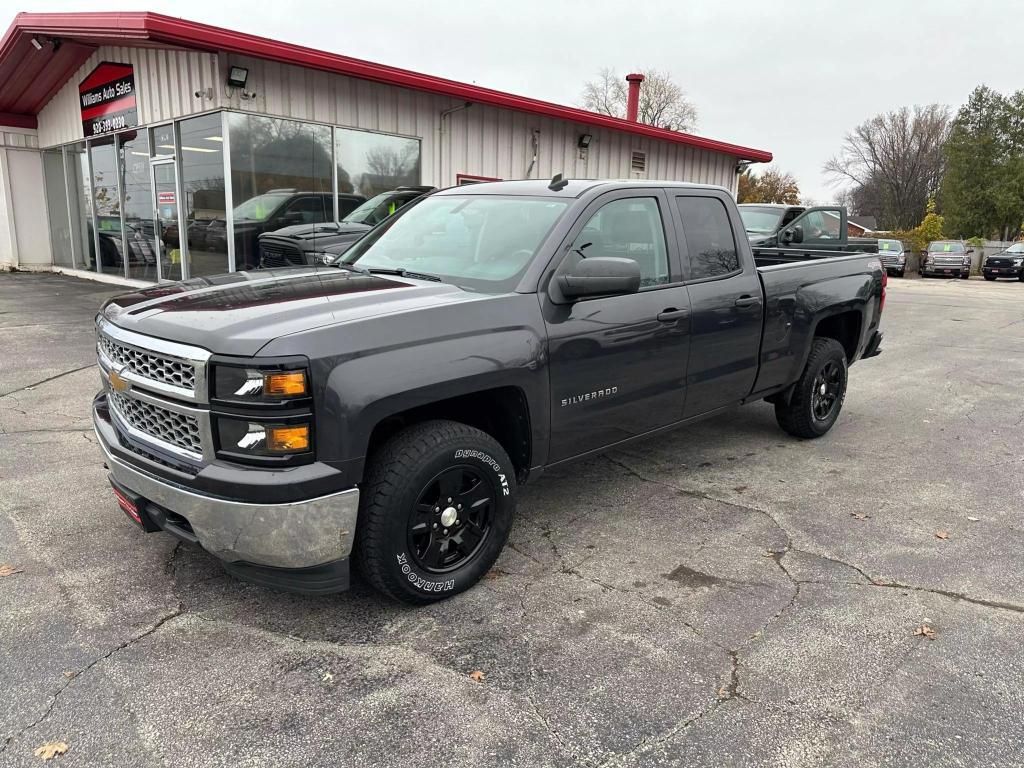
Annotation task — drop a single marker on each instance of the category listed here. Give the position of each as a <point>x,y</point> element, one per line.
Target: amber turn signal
<point>288,439</point>
<point>288,384</point>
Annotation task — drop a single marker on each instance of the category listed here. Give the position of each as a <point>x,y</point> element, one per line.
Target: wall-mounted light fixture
<point>584,141</point>
<point>237,77</point>
<point>36,44</point>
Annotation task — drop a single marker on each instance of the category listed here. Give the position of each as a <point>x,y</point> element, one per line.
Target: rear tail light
<point>885,283</point>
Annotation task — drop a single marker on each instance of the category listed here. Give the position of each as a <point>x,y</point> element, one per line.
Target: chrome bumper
<point>297,534</point>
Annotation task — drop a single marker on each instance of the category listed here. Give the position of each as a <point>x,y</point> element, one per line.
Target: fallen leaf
<point>70,674</point>
<point>723,692</point>
<point>328,677</point>
<point>768,553</point>
<point>6,569</point>
<point>860,516</point>
<point>51,749</point>
<point>925,631</point>
<point>941,535</point>
<point>477,676</point>
<point>494,573</point>
<point>973,519</point>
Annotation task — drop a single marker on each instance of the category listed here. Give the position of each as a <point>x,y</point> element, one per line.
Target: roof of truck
<point>572,188</point>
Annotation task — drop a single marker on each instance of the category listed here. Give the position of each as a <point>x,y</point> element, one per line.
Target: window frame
<point>561,254</point>
<point>731,216</point>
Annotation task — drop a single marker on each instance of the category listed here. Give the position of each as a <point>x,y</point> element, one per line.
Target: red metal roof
<point>29,78</point>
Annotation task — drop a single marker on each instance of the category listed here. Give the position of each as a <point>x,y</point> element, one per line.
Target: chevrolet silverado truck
<point>306,244</point>
<point>386,408</point>
<point>951,258</point>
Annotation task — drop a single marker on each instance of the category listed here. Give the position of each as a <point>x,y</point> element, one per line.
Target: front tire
<point>437,509</point>
<point>818,394</point>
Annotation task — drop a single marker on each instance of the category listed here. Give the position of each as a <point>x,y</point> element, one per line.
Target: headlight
<point>1018,262</point>
<point>324,258</point>
<point>243,438</point>
<point>901,258</point>
<point>243,384</point>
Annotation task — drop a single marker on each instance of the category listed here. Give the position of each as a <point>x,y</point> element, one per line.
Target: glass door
<point>168,230</point>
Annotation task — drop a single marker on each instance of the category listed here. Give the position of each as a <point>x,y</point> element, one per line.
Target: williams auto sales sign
<point>107,99</point>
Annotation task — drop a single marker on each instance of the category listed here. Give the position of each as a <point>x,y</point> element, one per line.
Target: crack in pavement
<point>47,380</point>
<point>56,695</point>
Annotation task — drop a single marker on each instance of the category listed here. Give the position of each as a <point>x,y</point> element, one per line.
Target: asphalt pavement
<point>721,595</point>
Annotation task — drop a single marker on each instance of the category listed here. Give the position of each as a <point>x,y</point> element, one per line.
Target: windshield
<point>946,248</point>
<point>762,221</point>
<point>261,207</point>
<point>1016,248</point>
<point>376,209</point>
<point>890,246</point>
<point>483,242</point>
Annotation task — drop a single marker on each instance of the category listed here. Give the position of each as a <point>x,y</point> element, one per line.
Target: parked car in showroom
<point>947,258</point>
<point>1008,263</point>
<point>894,256</point>
<point>314,243</point>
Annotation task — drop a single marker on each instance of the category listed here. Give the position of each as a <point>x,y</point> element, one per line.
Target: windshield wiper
<point>349,267</point>
<point>403,272</point>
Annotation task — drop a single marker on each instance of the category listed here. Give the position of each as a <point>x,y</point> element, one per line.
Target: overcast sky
<point>791,77</point>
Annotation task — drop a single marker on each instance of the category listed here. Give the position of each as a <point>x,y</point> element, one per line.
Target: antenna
<point>558,183</point>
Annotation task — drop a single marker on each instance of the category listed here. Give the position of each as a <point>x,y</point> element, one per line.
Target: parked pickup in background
<point>308,244</point>
<point>388,406</point>
<point>801,230</point>
<point>893,254</point>
<point>1009,263</point>
<point>947,258</point>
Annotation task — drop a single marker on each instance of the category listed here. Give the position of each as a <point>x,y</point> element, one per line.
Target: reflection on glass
<point>57,206</point>
<point>107,205</point>
<point>371,163</point>
<point>167,220</point>
<point>80,197</point>
<point>280,176</point>
<point>202,184</point>
<point>137,203</point>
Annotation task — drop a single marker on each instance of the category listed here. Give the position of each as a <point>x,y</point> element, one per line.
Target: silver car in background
<point>893,254</point>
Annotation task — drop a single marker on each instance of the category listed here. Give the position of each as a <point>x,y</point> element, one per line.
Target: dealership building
<point>139,147</point>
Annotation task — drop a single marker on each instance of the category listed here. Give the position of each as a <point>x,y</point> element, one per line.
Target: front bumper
<point>1013,272</point>
<point>297,545</point>
<point>943,269</point>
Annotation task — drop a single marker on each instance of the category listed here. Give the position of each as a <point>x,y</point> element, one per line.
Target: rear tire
<point>412,543</point>
<point>811,412</point>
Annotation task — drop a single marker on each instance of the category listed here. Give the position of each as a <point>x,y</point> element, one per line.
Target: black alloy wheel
<point>452,519</point>
<point>826,391</point>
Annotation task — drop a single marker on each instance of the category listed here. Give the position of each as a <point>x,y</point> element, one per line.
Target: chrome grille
<point>274,254</point>
<point>178,429</point>
<point>146,365</point>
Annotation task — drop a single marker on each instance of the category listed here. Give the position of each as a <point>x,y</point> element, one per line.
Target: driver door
<point>618,363</point>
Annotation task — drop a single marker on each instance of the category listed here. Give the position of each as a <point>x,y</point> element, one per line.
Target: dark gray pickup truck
<point>386,407</point>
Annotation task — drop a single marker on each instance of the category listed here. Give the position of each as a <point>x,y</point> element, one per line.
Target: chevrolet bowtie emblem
<point>116,382</point>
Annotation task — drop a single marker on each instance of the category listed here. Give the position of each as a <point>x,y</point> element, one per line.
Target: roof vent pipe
<point>633,99</point>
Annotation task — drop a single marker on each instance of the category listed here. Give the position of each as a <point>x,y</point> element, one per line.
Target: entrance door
<point>170,259</point>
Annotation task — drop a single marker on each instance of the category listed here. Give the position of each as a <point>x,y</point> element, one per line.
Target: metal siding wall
<point>480,140</point>
<point>165,84</point>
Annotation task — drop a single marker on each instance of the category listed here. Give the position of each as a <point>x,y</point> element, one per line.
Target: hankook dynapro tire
<point>818,394</point>
<point>436,510</point>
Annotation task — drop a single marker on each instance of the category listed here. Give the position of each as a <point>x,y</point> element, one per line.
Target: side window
<point>709,237</point>
<point>821,225</point>
<point>311,208</point>
<point>630,228</point>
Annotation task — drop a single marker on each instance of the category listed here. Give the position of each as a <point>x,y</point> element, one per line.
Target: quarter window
<point>630,228</point>
<point>709,237</point>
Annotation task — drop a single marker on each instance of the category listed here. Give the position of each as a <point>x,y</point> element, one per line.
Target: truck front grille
<point>178,429</point>
<point>146,365</point>
<point>274,254</point>
<point>998,263</point>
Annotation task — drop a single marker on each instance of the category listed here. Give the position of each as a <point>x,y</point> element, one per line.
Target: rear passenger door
<point>618,363</point>
<point>726,302</point>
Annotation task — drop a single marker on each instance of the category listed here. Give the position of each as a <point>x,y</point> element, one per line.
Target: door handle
<point>668,315</point>
<point>748,301</point>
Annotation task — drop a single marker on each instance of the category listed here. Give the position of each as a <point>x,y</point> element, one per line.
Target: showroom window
<point>370,163</point>
<point>57,207</point>
<point>107,204</point>
<point>202,189</point>
<point>281,175</point>
<point>79,180</point>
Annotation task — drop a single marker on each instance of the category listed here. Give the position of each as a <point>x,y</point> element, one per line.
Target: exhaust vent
<point>638,162</point>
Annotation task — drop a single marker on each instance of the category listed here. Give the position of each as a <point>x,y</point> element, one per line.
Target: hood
<point>238,313</point>
<point>327,229</point>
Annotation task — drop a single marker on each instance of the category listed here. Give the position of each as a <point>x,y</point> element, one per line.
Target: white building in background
<point>140,147</point>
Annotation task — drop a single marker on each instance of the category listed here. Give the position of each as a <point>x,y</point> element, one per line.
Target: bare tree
<point>662,102</point>
<point>895,162</point>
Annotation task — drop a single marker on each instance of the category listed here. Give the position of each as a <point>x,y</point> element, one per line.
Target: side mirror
<point>970,250</point>
<point>600,276</point>
<point>291,218</point>
<point>793,235</point>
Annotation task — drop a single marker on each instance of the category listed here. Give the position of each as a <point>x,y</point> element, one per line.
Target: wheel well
<point>503,413</point>
<point>844,328</point>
